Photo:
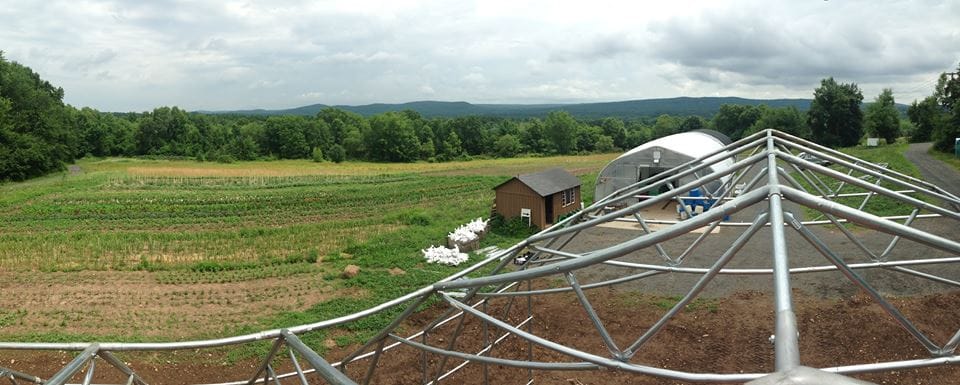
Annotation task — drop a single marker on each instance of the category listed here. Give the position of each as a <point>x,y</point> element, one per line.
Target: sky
<point>227,55</point>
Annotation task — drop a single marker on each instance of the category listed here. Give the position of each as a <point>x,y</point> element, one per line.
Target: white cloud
<point>475,78</point>
<point>123,55</point>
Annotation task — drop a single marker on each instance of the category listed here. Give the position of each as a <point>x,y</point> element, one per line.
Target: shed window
<point>567,197</point>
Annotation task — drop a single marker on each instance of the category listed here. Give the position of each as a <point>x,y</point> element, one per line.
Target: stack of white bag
<point>477,226</point>
<point>469,232</point>
<point>463,235</point>
<point>443,255</point>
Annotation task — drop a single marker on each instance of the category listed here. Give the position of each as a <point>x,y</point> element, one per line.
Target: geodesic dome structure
<point>482,319</point>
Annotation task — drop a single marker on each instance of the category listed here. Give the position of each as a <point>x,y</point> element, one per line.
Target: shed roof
<point>548,181</point>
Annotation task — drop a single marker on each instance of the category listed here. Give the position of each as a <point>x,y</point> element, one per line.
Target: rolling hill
<point>629,109</point>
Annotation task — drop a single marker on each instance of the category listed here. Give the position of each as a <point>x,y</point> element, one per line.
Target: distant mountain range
<point>680,106</point>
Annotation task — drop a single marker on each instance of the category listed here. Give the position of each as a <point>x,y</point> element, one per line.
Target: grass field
<point>892,155</point>
<point>162,250</point>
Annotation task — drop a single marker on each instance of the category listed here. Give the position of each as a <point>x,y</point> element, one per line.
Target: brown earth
<point>133,303</point>
<point>727,335</point>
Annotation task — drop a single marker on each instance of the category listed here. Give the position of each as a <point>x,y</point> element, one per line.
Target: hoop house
<point>663,154</point>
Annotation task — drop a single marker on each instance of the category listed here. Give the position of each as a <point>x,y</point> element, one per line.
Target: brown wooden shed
<point>544,196</point>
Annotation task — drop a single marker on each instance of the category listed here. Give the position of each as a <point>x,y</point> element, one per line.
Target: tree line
<point>937,117</point>
<point>39,133</point>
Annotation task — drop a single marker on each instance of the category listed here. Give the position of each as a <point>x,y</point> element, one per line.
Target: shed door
<point>548,208</point>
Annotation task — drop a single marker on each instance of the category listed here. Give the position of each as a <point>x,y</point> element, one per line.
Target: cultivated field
<point>149,250</point>
<point>162,250</point>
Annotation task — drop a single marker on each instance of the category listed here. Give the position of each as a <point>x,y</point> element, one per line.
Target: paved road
<point>933,170</point>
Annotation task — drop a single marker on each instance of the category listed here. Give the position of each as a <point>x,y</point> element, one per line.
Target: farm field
<point>135,250</point>
<point>245,287</point>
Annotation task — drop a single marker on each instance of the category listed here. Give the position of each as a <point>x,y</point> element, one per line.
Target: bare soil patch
<point>134,304</point>
<point>728,335</point>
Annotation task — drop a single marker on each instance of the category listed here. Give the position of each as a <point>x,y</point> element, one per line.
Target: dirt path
<point>933,171</point>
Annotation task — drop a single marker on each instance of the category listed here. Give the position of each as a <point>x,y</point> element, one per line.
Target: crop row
<point>98,226</point>
<point>250,182</point>
<point>103,206</point>
<point>179,277</point>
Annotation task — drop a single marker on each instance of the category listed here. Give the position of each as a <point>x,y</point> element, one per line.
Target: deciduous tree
<point>882,118</point>
<point>735,119</point>
<point>507,146</point>
<point>786,119</point>
<point>561,129</point>
<point>392,138</point>
<point>948,95</point>
<point>925,115</point>
<point>835,118</point>
<point>616,130</point>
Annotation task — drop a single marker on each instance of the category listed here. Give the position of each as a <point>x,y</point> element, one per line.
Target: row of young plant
<point>114,228</point>
<point>200,206</point>
<point>252,182</point>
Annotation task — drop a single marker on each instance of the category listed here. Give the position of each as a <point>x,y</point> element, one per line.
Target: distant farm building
<point>657,156</point>
<point>540,197</point>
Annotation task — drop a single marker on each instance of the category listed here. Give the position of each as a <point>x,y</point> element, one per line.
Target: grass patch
<point>705,304</point>
<point>892,155</point>
<point>947,158</point>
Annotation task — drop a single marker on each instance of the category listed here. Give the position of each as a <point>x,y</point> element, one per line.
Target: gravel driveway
<point>933,170</point>
<point>757,252</point>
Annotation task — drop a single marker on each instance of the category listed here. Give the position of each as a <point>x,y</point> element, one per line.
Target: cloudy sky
<point>215,55</point>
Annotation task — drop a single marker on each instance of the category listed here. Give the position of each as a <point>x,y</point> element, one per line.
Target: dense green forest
<point>40,134</point>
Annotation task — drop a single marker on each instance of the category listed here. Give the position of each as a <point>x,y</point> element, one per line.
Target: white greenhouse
<point>663,154</point>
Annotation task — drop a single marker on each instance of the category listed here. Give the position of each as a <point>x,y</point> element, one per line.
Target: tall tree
<point>37,133</point>
<point>692,123</point>
<point>561,129</point>
<point>637,134</point>
<point>665,125</point>
<point>587,138</point>
<point>734,119</point>
<point>286,136</point>
<point>341,122</point>
<point>616,130</point>
<point>474,133</point>
<point>353,143</point>
<point>786,119</point>
<point>925,115</point>
<point>163,132</point>
<point>835,117</point>
<point>451,147</point>
<point>882,118</point>
<point>947,93</point>
<point>392,138</point>
<point>507,146</point>
<point>533,137</point>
